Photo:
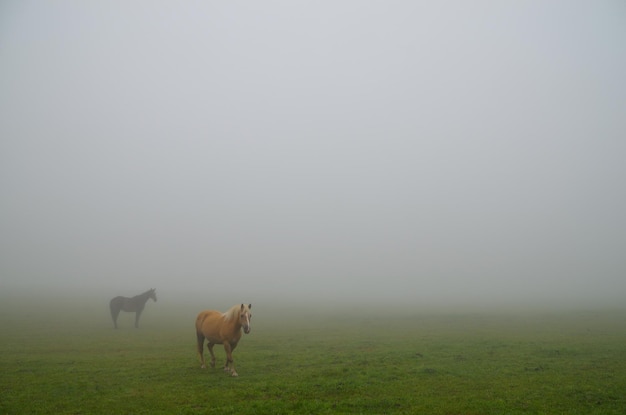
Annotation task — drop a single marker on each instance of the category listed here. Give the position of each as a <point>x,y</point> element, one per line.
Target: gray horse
<point>134,304</point>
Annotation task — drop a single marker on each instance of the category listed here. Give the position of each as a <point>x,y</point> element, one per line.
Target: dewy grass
<point>56,359</point>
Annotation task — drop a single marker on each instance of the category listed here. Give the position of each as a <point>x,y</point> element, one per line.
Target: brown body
<point>222,328</point>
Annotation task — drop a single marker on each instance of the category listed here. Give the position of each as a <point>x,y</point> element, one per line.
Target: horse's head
<point>152,294</point>
<point>245,316</point>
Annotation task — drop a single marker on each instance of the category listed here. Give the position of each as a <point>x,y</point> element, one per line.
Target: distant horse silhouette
<point>134,304</point>
<point>222,328</point>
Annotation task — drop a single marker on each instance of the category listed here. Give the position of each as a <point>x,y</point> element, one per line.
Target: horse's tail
<point>200,335</point>
<point>199,342</point>
<point>199,321</point>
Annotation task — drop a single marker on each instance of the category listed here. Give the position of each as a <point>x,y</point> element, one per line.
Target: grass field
<point>64,357</point>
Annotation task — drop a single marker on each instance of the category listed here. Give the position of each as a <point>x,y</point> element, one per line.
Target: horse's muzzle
<point>246,329</point>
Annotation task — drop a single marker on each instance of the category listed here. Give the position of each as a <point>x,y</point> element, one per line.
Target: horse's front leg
<point>229,366</point>
<point>137,315</point>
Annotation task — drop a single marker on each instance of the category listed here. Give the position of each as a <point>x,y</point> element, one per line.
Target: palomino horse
<point>222,328</point>
<point>136,304</point>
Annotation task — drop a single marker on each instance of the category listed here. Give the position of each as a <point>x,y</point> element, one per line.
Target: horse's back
<point>206,315</point>
<point>208,322</point>
<point>116,301</point>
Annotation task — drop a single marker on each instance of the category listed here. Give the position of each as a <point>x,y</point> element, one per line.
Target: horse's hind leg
<point>114,314</point>
<point>210,347</point>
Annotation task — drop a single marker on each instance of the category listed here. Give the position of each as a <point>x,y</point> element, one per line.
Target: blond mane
<point>233,312</point>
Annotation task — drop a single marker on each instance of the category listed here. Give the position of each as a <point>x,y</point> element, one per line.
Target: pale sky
<point>395,150</point>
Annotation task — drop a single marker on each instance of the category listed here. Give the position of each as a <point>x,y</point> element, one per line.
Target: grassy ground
<point>65,358</point>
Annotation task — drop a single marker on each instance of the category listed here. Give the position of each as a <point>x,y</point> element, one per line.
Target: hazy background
<point>433,152</point>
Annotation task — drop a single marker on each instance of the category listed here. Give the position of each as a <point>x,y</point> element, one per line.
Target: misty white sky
<point>426,151</point>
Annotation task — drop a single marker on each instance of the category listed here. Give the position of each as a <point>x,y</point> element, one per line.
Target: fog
<point>391,151</point>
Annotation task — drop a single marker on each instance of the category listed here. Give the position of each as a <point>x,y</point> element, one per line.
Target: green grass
<point>65,358</point>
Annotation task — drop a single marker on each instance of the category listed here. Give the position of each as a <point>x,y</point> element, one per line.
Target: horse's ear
<point>249,306</point>
<point>242,306</point>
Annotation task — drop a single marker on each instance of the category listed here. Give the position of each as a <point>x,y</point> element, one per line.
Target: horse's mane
<point>145,293</point>
<point>232,313</point>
